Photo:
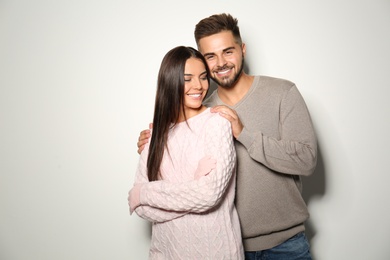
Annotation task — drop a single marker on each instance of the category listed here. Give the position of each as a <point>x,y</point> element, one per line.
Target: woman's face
<point>195,86</point>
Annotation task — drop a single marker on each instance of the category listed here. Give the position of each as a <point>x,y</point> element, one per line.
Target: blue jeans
<point>295,248</point>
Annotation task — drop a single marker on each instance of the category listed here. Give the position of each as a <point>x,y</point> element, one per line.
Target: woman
<point>185,181</point>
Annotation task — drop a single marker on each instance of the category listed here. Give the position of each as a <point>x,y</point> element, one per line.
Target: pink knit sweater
<point>193,219</point>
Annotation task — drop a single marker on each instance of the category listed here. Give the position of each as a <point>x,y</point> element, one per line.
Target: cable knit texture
<point>193,219</point>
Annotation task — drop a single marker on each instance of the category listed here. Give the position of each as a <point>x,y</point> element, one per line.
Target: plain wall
<point>77,85</point>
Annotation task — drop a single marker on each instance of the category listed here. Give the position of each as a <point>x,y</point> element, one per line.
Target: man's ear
<point>243,48</point>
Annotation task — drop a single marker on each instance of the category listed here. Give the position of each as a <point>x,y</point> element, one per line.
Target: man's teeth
<point>223,72</point>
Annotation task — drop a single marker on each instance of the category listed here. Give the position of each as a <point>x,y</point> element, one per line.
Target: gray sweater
<point>275,148</point>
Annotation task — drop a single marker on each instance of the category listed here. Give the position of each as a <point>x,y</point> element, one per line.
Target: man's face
<point>224,57</point>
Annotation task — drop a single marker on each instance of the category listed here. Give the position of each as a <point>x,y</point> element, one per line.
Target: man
<point>274,140</point>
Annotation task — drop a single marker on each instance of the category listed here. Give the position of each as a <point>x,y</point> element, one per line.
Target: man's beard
<point>229,83</point>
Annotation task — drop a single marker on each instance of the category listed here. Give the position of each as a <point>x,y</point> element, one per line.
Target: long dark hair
<point>169,102</point>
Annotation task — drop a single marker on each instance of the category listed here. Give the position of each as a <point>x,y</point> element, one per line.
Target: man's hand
<point>143,138</point>
<point>230,115</point>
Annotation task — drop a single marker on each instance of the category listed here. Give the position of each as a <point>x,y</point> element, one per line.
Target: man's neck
<point>233,95</point>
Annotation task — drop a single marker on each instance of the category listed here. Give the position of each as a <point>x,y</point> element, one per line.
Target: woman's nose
<point>197,84</point>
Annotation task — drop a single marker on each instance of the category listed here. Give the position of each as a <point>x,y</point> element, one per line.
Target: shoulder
<point>216,123</point>
<point>277,84</point>
<point>215,117</point>
<point>217,132</point>
<point>275,88</point>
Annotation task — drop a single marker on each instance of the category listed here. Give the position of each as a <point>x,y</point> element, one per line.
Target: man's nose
<point>221,61</point>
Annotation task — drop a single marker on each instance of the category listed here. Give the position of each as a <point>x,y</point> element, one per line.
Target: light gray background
<point>77,85</point>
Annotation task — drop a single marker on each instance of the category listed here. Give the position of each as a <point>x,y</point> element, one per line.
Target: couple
<point>188,190</point>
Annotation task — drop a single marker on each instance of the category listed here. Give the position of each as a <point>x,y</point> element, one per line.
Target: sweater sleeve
<point>198,195</point>
<point>151,214</point>
<point>295,152</point>
<point>157,215</point>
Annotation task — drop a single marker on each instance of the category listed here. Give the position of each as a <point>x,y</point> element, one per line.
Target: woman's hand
<point>205,166</point>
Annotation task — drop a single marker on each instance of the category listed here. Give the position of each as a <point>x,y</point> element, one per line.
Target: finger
<point>227,113</point>
<point>144,134</point>
<point>140,149</point>
<point>214,109</point>
<point>227,116</point>
<point>150,125</point>
<point>217,108</point>
<point>222,109</point>
<point>142,142</point>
